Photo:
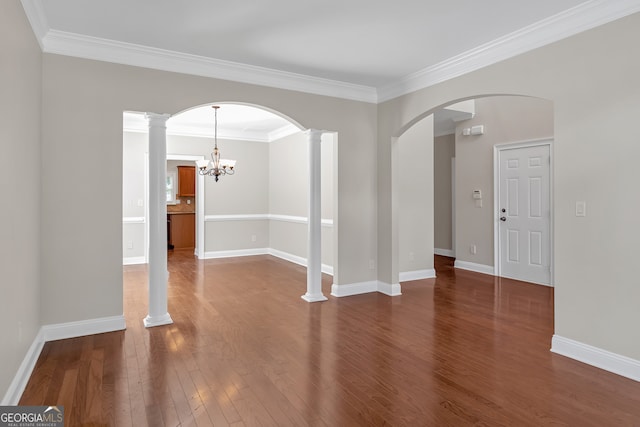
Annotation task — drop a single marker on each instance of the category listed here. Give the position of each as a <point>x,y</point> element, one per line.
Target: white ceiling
<point>235,121</point>
<point>369,50</point>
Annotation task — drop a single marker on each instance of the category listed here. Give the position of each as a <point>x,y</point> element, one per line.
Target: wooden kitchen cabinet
<point>183,230</point>
<point>186,181</point>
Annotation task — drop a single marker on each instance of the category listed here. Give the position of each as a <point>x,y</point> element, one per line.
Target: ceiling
<point>235,121</point>
<point>368,50</point>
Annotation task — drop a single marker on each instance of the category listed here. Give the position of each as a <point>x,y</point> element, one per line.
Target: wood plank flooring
<point>245,350</point>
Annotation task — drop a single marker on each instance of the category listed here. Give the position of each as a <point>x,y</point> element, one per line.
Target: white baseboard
<point>478,268</point>
<point>61,331</point>
<point>19,383</point>
<point>354,289</point>
<point>594,356</point>
<point>51,333</point>
<point>407,276</point>
<point>132,260</point>
<point>365,288</point>
<point>235,253</point>
<point>327,269</point>
<point>393,290</point>
<point>444,252</point>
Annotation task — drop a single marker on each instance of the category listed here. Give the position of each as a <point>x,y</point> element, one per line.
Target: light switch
<point>581,208</point>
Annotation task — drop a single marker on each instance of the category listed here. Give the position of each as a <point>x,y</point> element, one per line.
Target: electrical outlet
<point>473,249</point>
<point>130,244</point>
<point>372,264</point>
<point>412,256</point>
<point>254,238</point>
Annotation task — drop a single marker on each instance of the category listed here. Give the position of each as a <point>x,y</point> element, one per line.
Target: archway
<point>249,220</point>
<point>507,119</point>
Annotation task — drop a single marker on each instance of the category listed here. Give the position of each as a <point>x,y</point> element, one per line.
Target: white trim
<point>289,218</point>
<point>393,290</point>
<point>52,333</point>
<point>184,157</point>
<point>151,322</point>
<point>200,200</point>
<point>360,288</point>
<point>133,220</point>
<point>354,289</point>
<point>82,46</point>
<point>37,18</point>
<point>594,356</point>
<point>133,260</point>
<point>497,149</point>
<point>444,252</point>
<point>236,253</point>
<point>327,269</point>
<point>471,266</point>
<point>557,27</point>
<point>196,133</point>
<point>407,276</point>
<point>314,298</point>
<point>298,219</point>
<point>21,378</point>
<point>247,217</point>
<point>262,217</point>
<point>61,331</point>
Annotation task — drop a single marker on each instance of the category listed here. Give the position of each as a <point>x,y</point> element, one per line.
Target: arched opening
<point>261,209</point>
<point>496,123</point>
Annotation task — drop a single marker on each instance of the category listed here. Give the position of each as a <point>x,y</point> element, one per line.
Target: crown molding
<point>71,44</point>
<point>37,18</point>
<point>196,132</point>
<point>557,27</point>
<point>565,24</point>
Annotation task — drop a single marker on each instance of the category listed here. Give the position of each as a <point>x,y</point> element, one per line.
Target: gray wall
<point>443,152</point>
<point>76,126</point>
<point>271,178</point>
<point>133,190</point>
<point>591,78</point>
<point>505,119</point>
<point>415,197</point>
<point>289,194</point>
<point>20,173</point>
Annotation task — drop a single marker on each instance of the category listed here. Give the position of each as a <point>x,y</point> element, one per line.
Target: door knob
<point>502,218</point>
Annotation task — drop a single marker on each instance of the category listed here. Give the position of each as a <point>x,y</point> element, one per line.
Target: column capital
<point>155,119</point>
<point>315,135</point>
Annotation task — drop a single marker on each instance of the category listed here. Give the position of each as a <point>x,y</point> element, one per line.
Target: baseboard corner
<point>472,266</point>
<point>597,357</point>
<point>61,331</point>
<point>21,378</point>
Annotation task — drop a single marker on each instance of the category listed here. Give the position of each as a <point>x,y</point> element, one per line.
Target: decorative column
<point>158,274</point>
<point>314,254</point>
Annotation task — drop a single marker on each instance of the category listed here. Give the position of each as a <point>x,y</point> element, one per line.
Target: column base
<point>314,298</point>
<point>150,322</point>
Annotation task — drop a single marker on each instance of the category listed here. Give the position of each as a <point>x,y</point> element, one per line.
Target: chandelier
<point>216,166</point>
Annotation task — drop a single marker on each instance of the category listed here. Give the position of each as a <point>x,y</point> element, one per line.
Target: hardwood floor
<point>462,349</point>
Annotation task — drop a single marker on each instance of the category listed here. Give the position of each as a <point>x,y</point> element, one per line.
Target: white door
<point>524,215</point>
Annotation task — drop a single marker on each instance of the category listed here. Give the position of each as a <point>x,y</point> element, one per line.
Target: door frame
<point>497,149</point>
<point>200,195</point>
